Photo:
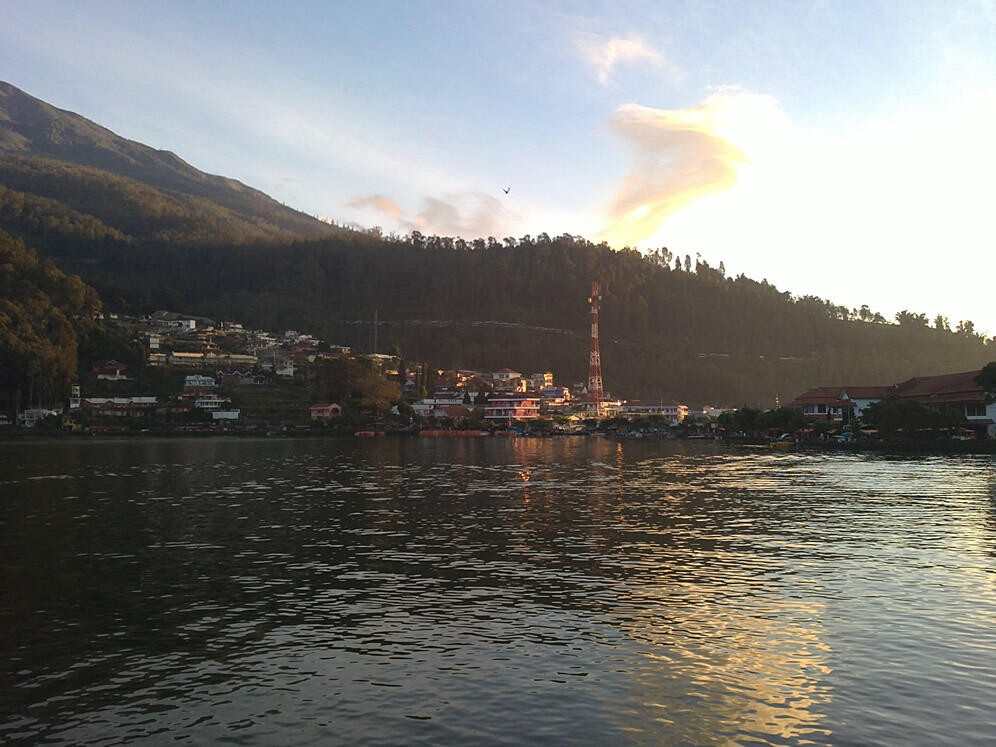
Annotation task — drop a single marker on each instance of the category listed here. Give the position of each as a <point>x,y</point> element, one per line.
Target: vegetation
<point>987,380</point>
<point>43,312</point>
<point>355,383</point>
<point>894,417</point>
<point>749,420</point>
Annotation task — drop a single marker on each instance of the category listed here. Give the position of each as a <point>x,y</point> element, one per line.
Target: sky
<point>840,149</point>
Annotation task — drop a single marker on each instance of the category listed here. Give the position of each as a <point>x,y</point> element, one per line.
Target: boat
<point>784,441</point>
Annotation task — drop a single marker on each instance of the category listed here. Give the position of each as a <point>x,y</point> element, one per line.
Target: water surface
<point>493,591</point>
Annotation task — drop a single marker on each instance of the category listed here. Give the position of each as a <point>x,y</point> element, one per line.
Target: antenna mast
<point>595,393</point>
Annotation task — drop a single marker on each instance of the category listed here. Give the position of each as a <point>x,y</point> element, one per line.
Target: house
<point>956,392</point>
<point>31,417</point>
<point>863,396</point>
<point>555,395</point>
<point>189,360</point>
<point>673,412</point>
<point>196,381</point>
<point>325,412</point>
<point>210,401</point>
<point>511,408</point>
<point>442,398</point>
<point>827,403</point>
<point>121,407</point>
<point>456,412</point>
<point>507,380</point>
<point>542,380</point>
<point>230,359</point>
<point>111,371</point>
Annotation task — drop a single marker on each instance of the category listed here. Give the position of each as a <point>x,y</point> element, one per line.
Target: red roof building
<point>956,392</point>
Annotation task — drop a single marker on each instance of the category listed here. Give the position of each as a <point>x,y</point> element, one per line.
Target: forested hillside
<point>43,312</point>
<point>157,233</point>
<point>31,128</point>
<point>692,334</point>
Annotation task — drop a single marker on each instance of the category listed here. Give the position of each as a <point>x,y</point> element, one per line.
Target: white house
<point>512,408</point>
<point>673,412</point>
<point>31,417</point>
<point>196,381</point>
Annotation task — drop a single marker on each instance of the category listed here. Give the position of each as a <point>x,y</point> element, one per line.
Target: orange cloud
<point>379,203</point>
<point>676,157</point>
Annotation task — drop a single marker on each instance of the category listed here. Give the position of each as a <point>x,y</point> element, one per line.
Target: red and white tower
<point>595,392</point>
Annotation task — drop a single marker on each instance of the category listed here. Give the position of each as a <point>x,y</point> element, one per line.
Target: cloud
<point>603,54</point>
<point>379,203</point>
<point>466,214</point>
<point>469,215</point>
<point>679,156</point>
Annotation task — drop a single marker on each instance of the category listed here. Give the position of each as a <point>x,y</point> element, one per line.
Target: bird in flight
<point>506,189</point>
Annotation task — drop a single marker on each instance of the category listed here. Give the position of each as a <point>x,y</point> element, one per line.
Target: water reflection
<point>415,590</point>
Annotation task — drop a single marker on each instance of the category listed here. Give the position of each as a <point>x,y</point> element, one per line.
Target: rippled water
<point>489,591</point>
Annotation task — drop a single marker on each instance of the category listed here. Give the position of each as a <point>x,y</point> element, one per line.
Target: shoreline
<point>905,448</point>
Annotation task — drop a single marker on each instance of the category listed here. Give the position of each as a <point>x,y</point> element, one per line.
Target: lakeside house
<point>952,393</point>
<point>33,415</point>
<point>121,407</point>
<point>673,412</point>
<point>512,408</point>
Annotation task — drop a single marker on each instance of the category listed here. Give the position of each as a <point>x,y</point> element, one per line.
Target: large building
<point>673,412</point>
<point>507,409</point>
<point>954,393</point>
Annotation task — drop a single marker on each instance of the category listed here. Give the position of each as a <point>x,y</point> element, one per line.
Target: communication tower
<point>595,392</point>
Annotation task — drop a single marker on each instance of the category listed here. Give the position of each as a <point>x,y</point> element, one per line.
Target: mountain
<point>31,129</point>
<point>148,231</point>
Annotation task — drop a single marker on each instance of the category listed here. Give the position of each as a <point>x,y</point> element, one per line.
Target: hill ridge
<point>32,127</point>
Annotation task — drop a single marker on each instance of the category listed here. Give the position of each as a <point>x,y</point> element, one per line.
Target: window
<point>822,409</point>
<point>975,410</point>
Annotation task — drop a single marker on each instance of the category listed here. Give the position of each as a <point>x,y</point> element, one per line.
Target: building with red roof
<point>957,392</point>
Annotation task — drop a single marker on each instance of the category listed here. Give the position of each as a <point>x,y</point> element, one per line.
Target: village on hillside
<point>191,374</point>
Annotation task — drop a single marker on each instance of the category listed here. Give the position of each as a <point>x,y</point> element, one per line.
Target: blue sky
<point>842,149</point>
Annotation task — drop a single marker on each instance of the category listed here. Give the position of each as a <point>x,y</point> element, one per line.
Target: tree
<point>894,417</point>
<point>987,380</point>
<point>941,323</point>
<point>907,318</point>
<point>43,313</point>
<point>966,328</point>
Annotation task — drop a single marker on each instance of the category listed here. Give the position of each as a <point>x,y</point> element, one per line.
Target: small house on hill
<point>325,411</point>
<point>111,371</point>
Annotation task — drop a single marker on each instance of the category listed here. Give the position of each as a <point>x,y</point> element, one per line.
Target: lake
<point>493,591</point>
